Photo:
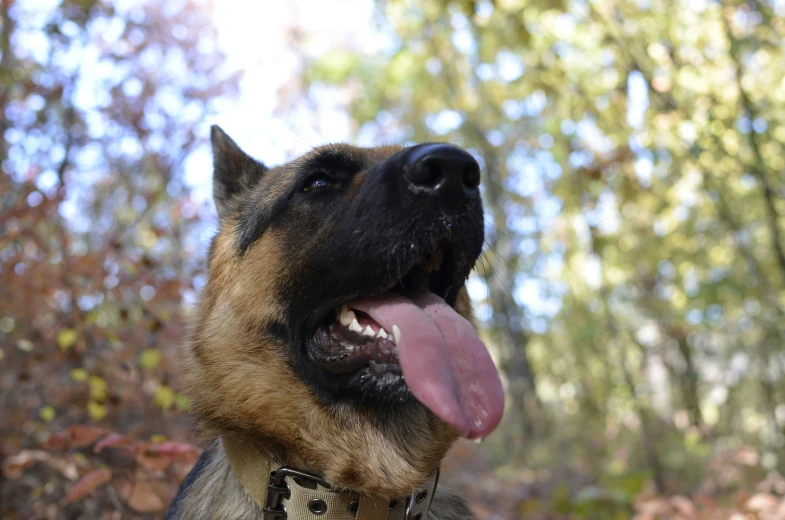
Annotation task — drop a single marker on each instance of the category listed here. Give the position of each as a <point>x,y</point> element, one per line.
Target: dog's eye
<point>317,182</point>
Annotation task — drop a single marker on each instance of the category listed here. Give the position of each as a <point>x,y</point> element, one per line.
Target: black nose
<point>441,169</point>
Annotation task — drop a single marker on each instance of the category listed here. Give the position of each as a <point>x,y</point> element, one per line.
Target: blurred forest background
<point>632,289</point>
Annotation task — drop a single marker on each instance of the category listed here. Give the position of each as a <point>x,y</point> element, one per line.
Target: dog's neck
<point>213,490</point>
<point>290,493</point>
<point>287,493</point>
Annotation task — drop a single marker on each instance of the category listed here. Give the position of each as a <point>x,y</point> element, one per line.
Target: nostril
<point>441,169</point>
<point>471,175</point>
<point>427,173</point>
<point>434,172</point>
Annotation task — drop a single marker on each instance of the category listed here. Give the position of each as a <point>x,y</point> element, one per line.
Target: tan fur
<point>241,383</point>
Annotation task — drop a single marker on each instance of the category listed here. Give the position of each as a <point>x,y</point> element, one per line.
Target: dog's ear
<point>234,171</point>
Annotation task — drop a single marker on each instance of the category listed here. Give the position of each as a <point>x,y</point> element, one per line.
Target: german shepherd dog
<point>335,332</point>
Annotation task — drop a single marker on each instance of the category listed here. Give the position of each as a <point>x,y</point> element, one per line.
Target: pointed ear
<point>234,171</point>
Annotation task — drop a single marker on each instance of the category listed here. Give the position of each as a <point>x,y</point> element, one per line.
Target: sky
<point>255,37</point>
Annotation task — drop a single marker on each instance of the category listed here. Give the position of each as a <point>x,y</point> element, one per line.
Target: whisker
<point>494,269</point>
<point>495,229</point>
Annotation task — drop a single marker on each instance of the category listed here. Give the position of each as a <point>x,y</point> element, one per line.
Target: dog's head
<point>335,326</point>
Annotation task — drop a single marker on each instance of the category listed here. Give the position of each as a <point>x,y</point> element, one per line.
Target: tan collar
<point>290,494</point>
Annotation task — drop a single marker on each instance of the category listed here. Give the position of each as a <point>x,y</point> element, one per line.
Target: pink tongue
<point>445,364</point>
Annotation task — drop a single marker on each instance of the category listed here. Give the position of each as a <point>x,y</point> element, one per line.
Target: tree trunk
<point>507,322</point>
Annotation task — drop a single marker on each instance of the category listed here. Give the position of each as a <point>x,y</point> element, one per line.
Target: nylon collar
<point>290,494</point>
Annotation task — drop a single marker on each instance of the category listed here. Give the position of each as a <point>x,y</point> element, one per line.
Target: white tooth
<point>382,333</point>
<point>355,326</point>
<point>368,331</point>
<point>347,315</point>
<point>396,334</point>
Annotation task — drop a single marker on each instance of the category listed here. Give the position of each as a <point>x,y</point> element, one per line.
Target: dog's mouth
<point>353,340</point>
<point>408,336</point>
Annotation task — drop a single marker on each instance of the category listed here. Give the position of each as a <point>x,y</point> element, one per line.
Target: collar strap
<point>290,494</point>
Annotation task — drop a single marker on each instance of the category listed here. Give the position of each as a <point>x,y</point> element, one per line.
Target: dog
<point>333,358</point>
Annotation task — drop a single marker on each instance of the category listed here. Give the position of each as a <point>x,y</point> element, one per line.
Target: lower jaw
<point>369,385</point>
<point>384,382</point>
<point>388,388</point>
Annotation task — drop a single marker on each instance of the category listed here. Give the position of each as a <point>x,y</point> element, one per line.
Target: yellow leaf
<point>96,410</point>
<point>164,397</point>
<point>66,338</point>
<point>79,374</point>
<point>97,388</point>
<point>157,438</point>
<point>47,413</point>
<point>149,358</point>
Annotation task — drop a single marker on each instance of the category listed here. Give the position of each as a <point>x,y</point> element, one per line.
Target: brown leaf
<point>153,461</point>
<point>89,483</point>
<point>175,450</point>
<point>14,466</point>
<point>77,436</point>
<point>82,436</point>
<point>145,496</point>
<point>57,442</point>
<point>160,456</point>
<point>113,440</point>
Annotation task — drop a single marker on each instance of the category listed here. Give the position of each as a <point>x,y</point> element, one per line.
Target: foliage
<point>632,288</point>
<point>99,240</point>
<point>138,475</point>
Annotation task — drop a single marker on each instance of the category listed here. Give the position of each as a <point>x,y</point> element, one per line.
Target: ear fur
<point>234,171</point>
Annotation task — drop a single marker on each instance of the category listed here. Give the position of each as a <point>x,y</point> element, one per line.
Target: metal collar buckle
<point>277,489</point>
<point>419,502</point>
<point>416,505</point>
